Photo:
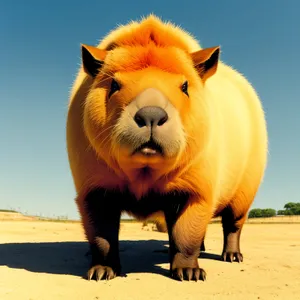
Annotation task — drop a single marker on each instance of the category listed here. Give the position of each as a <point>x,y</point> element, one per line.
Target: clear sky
<point>40,55</point>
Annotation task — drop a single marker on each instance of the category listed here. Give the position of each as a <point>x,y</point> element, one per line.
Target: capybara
<point>160,127</point>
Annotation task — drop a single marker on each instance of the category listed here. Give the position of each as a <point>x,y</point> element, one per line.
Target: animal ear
<point>92,59</point>
<point>206,61</point>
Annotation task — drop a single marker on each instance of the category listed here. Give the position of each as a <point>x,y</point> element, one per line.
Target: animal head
<point>146,112</point>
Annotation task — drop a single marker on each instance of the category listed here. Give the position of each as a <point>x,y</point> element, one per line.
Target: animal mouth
<point>149,148</point>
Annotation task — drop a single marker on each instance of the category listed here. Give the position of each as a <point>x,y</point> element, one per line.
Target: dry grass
<point>15,216</point>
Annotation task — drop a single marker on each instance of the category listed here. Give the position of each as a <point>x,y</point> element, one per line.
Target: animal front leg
<point>186,233</point>
<point>102,227</point>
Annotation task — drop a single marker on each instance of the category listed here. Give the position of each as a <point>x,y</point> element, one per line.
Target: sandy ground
<point>46,260</point>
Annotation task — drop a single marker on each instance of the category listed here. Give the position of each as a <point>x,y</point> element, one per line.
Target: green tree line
<point>290,209</point>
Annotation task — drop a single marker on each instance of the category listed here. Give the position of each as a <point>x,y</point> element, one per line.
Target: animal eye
<point>184,88</point>
<point>114,87</point>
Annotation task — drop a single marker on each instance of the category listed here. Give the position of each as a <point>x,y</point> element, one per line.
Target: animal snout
<point>151,116</point>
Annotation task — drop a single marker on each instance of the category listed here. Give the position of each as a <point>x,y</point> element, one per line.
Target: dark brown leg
<point>202,248</point>
<point>103,215</point>
<point>186,227</point>
<point>232,226</point>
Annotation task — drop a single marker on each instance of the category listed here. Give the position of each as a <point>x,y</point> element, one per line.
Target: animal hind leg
<point>232,228</point>
<point>233,219</point>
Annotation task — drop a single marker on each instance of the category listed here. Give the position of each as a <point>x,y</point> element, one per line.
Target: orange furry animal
<point>158,125</point>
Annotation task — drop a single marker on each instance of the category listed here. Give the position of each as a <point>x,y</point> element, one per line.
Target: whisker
<point>108,128</point>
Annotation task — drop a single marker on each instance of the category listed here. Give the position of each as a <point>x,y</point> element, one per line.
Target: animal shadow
<point>72,258</point>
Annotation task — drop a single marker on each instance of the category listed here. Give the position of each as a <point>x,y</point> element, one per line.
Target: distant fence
<point>276,219</point>
<point>6,216</point>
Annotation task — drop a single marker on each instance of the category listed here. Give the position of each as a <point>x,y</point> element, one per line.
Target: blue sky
<point>40,55</point>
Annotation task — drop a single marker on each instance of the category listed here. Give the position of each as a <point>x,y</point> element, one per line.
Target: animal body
<point>160,127</point>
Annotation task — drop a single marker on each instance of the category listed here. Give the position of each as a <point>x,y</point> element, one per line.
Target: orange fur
<point>223,150</point>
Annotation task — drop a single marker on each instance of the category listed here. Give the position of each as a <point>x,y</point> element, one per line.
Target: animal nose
<point>151,116</point>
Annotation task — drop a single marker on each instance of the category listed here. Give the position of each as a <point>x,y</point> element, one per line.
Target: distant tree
<point>8,210</point>
<point>255,213</point>
<point>268,212</point>
<point>291,205</point>
<point>290,209</point>
<point>289,212</point>
<point>262,213</point>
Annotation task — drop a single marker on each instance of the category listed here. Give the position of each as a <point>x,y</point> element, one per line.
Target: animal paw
<point>232,256</point>
<point>101,272</point>
<point>189,274</point>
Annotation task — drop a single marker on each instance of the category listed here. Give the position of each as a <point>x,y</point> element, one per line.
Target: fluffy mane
<point>150,30</point>
<point>150,42</point>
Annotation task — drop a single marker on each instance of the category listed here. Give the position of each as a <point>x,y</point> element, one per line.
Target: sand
<point>46,260</point>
